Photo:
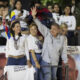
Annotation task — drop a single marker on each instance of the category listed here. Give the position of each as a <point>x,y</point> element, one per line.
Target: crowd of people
<point>38,38</point>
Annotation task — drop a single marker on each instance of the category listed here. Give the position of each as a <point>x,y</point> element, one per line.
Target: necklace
<point>16,43</point>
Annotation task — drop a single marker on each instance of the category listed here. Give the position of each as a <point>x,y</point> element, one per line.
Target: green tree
<point>62,3</point>
<point>77,12</point>
<point>44,2</point>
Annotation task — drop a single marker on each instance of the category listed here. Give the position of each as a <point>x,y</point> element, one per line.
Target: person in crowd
<point>73,72</point>
<point>50,8</point>
<point>2,27</point>
<point>21,15</point>
<point>1,2</point>
<point>56,12</point>
<point>7,16</point>
<point>35,49</point>
<point>2,31</point>
<point>2,9</point>
<point>16,47</point>
<point>44,15</point>
<point>63,31</point>
<point>12,2</point>
<point>4,2</point>
<point>68,19</point>
<point>11,6</point>
<point>71,22</point>
<point>73,7</point>
<point>53,46</point>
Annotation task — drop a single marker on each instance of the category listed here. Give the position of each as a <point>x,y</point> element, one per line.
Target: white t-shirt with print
<point>69,20</point>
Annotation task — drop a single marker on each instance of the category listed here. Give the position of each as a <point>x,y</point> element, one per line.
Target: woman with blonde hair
<point>63,31</point>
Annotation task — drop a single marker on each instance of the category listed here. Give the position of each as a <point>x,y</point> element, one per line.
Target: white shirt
<point>56,17</point>
<point>22,44</point>
<point>25,14</point>
<point>34,44</point>
<point>69,20</point>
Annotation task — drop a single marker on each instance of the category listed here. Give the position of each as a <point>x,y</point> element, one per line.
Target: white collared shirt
<point>22,44</point>
<point>34,44</point>
<point>69,20</point>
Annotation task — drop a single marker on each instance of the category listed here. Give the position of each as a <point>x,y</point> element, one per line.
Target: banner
<point>19,72</point>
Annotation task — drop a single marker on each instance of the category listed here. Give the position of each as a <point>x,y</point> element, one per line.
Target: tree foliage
<point>77,12</point>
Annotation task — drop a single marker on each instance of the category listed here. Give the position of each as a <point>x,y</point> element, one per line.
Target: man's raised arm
<point>42,28</point>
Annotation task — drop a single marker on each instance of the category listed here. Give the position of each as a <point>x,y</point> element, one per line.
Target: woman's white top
<point>69,20</point>
<point>34,44</point>
<point>25,14</point>
<point>56,17</point>
<point>22,45</point>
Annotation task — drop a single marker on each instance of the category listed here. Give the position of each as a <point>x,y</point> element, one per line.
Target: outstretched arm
<point>42,28</point>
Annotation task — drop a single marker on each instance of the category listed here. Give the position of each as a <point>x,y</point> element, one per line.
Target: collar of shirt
<point>33,36</point>
<point>57,14</point>
<point>58,36</point>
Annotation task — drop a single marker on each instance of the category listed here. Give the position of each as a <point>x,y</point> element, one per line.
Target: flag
<point>13,17</point>
<point>7,31</point>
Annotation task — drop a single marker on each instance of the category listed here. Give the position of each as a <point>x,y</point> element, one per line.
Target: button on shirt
<point>52,47</point>
<point>34,44</point>
<point>22,44</point>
